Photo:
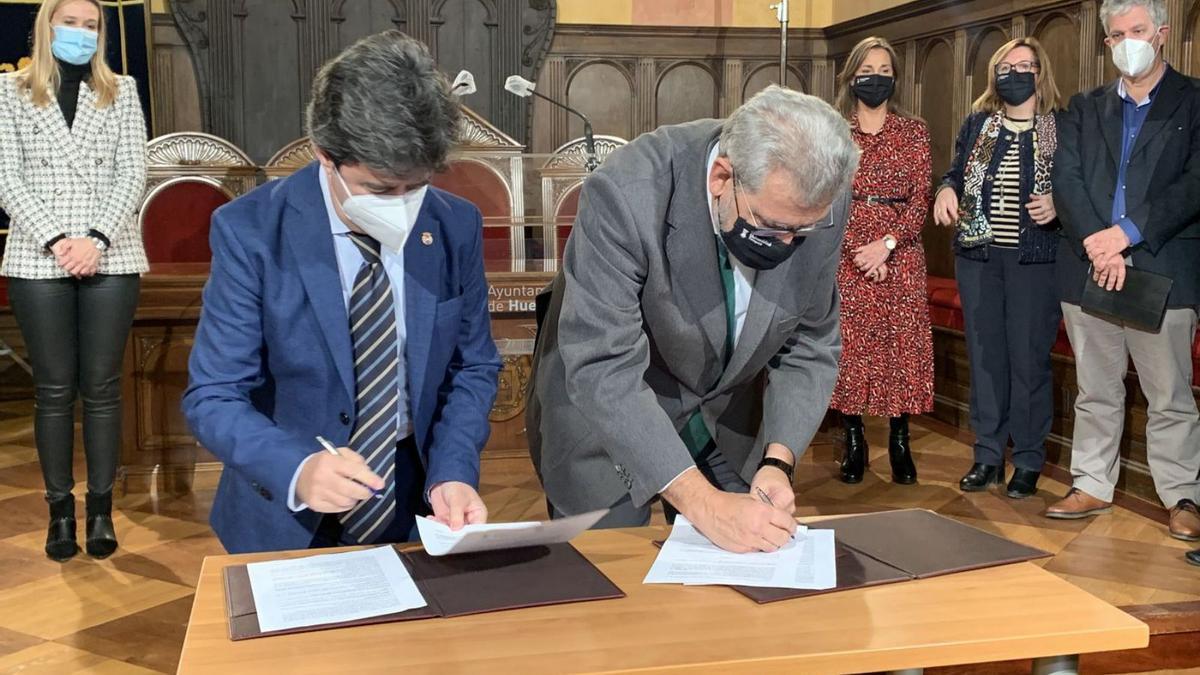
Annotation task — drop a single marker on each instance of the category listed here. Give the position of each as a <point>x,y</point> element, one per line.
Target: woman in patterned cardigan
<point>998,194</point>
<point>72,169</point>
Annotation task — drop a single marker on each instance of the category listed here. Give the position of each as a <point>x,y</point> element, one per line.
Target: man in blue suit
<point>324,319</point>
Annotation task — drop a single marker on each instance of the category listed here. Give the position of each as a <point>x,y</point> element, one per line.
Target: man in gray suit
<point>690,344</point>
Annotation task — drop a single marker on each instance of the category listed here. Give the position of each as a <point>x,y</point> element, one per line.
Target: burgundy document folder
<point>457,585</point>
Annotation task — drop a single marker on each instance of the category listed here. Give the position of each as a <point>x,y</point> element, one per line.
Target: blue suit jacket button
<point>344,418</point>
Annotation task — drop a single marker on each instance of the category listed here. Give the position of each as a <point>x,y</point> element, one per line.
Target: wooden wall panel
<point>985,45</point>
<point>767,74</point>
<point>1059,35</point>
<point>685,92</point>
<point>603,91</point>
<point>933,97</point>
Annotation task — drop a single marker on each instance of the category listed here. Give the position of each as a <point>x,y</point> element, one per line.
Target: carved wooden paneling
<point>763,75</point>
<point>686,92</point>
<point>255,59</point>
<point>936,107</point>
<point>985,45</point>
<point>1059,35</point>
<point>602,90</point>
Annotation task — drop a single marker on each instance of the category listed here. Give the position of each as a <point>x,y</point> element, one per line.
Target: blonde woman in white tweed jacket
<point>72,169</point>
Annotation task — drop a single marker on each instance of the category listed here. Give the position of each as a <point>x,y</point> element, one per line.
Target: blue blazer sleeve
<point>227,365</point>
<point>460,426</point>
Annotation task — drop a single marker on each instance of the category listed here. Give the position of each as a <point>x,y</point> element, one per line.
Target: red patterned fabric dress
<point>887,347</point>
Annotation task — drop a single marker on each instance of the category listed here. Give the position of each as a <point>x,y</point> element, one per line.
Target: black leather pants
<point>75,332</point>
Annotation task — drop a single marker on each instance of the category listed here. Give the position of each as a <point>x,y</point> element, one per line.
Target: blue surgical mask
<point>74,45</point>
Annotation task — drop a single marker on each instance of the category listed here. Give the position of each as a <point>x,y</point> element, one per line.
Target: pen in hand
<point>763,496</point>
<point>333,451</point>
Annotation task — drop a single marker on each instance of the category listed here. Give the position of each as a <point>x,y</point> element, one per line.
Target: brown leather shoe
<point>1185,521</point>
<point>1077,504</point>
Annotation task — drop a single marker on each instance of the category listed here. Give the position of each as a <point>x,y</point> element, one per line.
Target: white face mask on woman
<point>1133,57</point>
<point>386,218</point>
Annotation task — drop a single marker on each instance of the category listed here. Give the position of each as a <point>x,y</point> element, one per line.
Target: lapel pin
<point>427,238</point>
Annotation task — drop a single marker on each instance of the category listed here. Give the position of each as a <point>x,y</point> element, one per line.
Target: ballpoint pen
<point>333,451</point>
<point>763,496</point>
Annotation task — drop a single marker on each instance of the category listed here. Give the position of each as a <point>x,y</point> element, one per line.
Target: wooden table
<point>972,617</point>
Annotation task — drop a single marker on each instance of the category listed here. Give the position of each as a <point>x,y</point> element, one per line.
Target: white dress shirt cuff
<point>291,502</point>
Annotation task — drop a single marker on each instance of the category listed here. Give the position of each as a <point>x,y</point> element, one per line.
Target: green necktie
<point>695,435</point>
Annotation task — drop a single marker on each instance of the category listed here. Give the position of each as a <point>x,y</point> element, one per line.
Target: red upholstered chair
<point>483,186</point>
<point>188,176</point>
<point>175,217</point>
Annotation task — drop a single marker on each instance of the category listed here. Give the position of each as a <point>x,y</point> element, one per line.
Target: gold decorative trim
<point>293,156</point>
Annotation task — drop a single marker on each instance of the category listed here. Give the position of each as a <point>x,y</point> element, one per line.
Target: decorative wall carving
<point>492,38</point>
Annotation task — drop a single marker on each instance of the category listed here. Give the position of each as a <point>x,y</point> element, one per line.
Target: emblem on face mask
<point>427,238</point>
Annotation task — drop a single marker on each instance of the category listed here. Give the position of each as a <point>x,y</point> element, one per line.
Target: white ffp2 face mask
<point>1133,57</point>
<point>388,219</point>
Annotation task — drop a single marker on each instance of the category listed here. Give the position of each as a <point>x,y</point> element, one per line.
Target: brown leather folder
<point>893,546</point>
<point>926,544</point>
<point>471,583</point>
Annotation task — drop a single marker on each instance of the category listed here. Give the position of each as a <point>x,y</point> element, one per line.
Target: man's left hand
<point>457,504</point>
<point>1111,241</point>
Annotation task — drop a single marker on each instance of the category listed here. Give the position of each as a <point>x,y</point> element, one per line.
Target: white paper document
<point>806,562</point>
<point>331,588</point>
<point>439,539</point>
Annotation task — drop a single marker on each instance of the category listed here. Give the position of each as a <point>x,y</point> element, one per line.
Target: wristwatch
<point>100,245</point>
<point>890,242</point>
<point>778,464</point>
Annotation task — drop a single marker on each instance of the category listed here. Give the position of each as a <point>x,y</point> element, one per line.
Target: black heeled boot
<point>60,538</point>
<point>904,471</point>
<point>981,476</point>
<point>101,537</point>
<point>855,461</point>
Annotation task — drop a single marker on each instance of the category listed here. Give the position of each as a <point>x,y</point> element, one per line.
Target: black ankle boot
<point>980,477</point>
<point>101,538</point>
<point>1023,483</point>
<point>60,538</point>
<point>855,461</point>
<point>904,471</point>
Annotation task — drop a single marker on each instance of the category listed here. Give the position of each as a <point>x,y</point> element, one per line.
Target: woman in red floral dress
<point>887,347</point>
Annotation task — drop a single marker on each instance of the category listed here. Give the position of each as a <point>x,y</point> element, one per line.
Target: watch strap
<point>783,466</point>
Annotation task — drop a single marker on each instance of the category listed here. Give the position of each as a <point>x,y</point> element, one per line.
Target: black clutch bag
<point>1141,302</point>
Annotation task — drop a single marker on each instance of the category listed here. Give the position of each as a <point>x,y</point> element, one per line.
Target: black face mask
<point>755,252</point>
<point>873,90</point>
<point>1015,88</point>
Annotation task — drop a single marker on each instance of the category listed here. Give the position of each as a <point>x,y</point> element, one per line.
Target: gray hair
<point>783,129</point>
<point>383,103</point>
<point>1156,8</point>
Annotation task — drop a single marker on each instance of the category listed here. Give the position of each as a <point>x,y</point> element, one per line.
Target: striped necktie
<point>373,333</point>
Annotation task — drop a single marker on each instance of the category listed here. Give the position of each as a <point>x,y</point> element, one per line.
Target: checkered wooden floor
<point>129,613</point>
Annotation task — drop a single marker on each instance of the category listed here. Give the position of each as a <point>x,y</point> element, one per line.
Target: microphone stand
<point>782,14</point>
<point>589,139</point>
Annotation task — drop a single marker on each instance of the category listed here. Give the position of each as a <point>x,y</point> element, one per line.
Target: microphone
<point>522,87</point>
<point>464,84</point>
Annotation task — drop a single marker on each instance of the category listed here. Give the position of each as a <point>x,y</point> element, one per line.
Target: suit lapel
<point>308,234</point>
<point>691,250</point>
<point>1113,122</point>
<point>88,118</point>
<point>423,265</point>
<point>1168,99</point>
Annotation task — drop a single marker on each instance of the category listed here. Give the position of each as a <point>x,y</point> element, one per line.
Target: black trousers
<point>75,331</point>
<point>1012,315</point>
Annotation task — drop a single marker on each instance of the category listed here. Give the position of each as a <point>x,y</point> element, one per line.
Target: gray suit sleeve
<point>604,347</point>
<point>801,377</point>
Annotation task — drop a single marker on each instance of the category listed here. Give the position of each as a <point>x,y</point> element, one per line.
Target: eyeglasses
<point>783,230</point>
<point>1019,66</point>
